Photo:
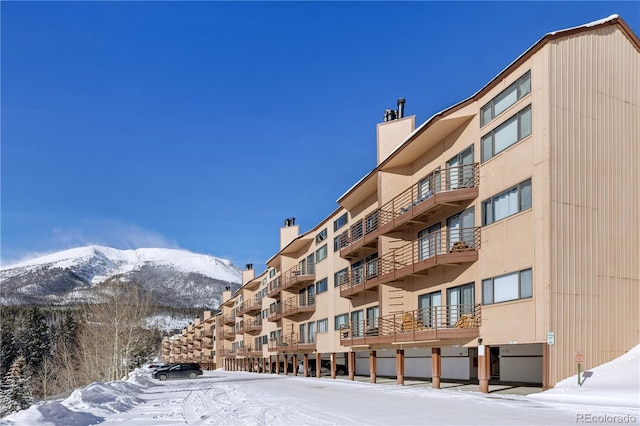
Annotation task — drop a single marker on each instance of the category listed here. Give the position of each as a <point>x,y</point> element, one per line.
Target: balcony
<point>293,343</point>
<point>250,351</point>
<point>274,287</point>
<point>360,237</point>
<point>227,352</point>
<point>298,276</point>
<point>452,186</point>
<point>446,247</point>
<point>208,331</point>
<point>229,318</point>
<point>252,325</point>
<point>208,344</point>
<point>428,324</point>
<point>362,278</point>
<point>302,303</point>
<point>228,334</point>
<point>249,306</point>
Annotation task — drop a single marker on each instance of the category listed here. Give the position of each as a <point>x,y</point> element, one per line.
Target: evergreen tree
<point>35,339</point>
<point>15,393</point>
<point>8,350</point>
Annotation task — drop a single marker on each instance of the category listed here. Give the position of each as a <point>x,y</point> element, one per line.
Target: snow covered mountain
<point>175,278</point>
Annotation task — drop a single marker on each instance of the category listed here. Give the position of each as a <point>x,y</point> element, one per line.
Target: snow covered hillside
<point>184,278</point>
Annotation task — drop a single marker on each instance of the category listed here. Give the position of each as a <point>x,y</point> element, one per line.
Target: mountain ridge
<point>177,278</point>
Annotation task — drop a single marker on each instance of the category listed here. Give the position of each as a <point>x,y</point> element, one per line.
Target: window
<point>511,131</point>
<point>461,300</point>
<point>513,286</point>
<point>321,253</point>
<point>336,244</point>
<point>264,292</point>
<point>506,98</point>
<point>341,320</point>
<point>372,319</point>
<point>507,203</point>
<point>357,323</point>
<point>322,235</point>
<point>430,310</point>
<point>460,170</point>
<point>372,264</point>
<point>460,230</point>
<point>321,286</point>
<point>323,325</point>
<point>340,222</point>
<point>372,222</point>
<point>429,185</point>
<point>340,277</point>
<point>265,313</point>
<point>272,272</point>
<point>429,242</point>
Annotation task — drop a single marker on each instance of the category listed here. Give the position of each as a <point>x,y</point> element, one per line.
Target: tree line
<point>46,352</point>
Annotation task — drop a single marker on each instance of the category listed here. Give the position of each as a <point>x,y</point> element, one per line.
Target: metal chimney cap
<point>401,101</point>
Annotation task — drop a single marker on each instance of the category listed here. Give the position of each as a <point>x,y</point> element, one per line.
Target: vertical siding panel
<point>594,212</point>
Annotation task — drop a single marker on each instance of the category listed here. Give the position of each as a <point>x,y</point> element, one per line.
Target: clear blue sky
<point>203,125</point>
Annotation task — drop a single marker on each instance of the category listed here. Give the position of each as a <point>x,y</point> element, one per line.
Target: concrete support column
<point>318,359</point>
<point>286,365</point>
<point>436,367</point>
<point>372,366</point>
<point>295,365</point>
<point>484,368</point>
<point>352,365</point>
<point>305,368</point>
<point>264,365</point>
<point>270,363</point>
<point>400,366</point>
<point>333,365</point>
<point>277,363</point>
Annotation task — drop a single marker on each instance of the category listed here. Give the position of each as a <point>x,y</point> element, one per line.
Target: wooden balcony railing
<point>451,185</point>
<point>437,322</point>
<point>293,306</point>
<point>249,306</point>
<point>252,325</point>
<point>230,318</point>
<point>444,247</point>
<point>299,275</point>
<point>208,331</point>
<point>228,333</point>
<point>361,278</point>
<point>293,343</point>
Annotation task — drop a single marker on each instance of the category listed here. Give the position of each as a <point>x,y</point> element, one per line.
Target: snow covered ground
<point>610,395</point>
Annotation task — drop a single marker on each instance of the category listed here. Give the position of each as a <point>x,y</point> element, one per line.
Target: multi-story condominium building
<point>499,239</point>
<point>196,343</point>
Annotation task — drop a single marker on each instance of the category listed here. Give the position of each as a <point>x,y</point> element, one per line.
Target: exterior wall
<point>391,133</point>
<point>595,238</point>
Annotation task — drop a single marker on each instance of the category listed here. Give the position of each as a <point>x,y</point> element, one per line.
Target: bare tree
<point>113,333</point>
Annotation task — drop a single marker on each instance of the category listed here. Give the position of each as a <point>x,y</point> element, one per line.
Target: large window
<point>513,286</point>
<point>507,203</point>
<point>461,231</point>
<point>323,325</point>
<point>321,253</point>
<point>336,243</point>
<point>461,300</point>
<point>321,286</point>
<point>506,98</point>
<point>340,277</point>
<point>340,222</point>
<point>322,235</point>
<point>357,323</point>
<point>341,320</point>
<point>511,131</point>
<point>460,170</point>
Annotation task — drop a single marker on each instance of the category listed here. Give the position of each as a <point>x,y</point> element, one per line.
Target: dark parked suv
<point>325,368</point>
<point>178,371</point>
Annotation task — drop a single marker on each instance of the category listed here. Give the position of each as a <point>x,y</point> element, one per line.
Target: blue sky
<point>203,125</point>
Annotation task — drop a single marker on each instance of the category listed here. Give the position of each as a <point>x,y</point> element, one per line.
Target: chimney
<point>289,232</point>
<point>248,274</point>
<point>393,130</point>
<point>401,102</point>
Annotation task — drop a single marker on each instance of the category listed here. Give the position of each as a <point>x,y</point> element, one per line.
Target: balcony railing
<point>437,322</point>
<point>294,305</point>
<point>252,325</point>
<point>299,275</point>
<point>293,343</point>
<point>208,331</point>
<point>249,306</point>
<point>228,333</point>
<point>440,188</point>
<point>230,318</point>
<point>361,278</point>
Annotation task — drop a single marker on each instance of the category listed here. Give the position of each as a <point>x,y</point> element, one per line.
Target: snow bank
<point>113,397</point>
<point>614,384</point>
